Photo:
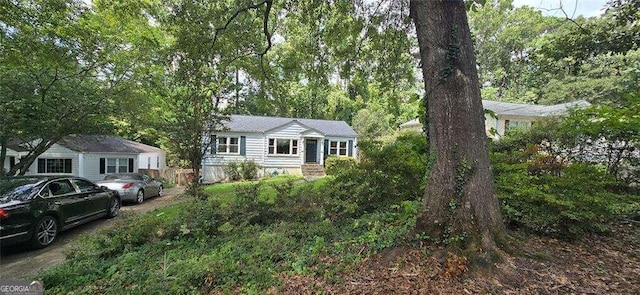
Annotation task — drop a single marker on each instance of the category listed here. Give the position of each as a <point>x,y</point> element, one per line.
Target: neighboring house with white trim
<point>95,156</point>
<point>278,145</point>
<point>505,115</point>
<point>11,158</point>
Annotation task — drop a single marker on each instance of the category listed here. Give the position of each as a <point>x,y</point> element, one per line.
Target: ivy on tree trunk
<point>461,206</point>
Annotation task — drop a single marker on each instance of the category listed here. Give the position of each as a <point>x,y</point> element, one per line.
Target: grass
<point>225,192</point>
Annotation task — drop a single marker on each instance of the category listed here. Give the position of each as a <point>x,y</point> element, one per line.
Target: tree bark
<point>461,206</point>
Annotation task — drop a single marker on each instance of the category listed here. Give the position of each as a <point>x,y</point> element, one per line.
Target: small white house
<point>506,115</point>
<point>278,145</point>
<point>11,158</point>
<point>94,156</point>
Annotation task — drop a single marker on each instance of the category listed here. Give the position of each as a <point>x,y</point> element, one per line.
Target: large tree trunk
<point>461,207</point>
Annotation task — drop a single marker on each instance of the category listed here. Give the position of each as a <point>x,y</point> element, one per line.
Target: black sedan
<point>35,209</point>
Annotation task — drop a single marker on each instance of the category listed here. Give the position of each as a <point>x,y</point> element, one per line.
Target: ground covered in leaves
<point>592,265</point>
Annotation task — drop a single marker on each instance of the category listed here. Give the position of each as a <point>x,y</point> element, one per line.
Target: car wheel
<point>114,208</point>
<point>140,197</point>
<point>160,191</point>
<point>45,232</point>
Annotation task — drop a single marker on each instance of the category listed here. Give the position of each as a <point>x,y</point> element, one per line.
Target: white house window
<point>54,166</point>
<point>118,165</point>
<point>228,145</point>
<point>338,148</point>
<point>278,146</point>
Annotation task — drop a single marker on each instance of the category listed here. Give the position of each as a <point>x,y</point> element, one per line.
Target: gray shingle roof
<point>105,144</point>
<point>260,124</point>
<point>531,110</point>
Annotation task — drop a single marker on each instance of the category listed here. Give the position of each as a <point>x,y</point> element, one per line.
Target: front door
<point>311,151</point>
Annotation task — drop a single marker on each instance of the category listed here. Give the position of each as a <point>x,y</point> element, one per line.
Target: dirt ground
<point>18,262</point>
<point>592,265</point>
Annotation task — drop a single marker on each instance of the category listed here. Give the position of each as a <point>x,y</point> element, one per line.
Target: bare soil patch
<point>592,265</point>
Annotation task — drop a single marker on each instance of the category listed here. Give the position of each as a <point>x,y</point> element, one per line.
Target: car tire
<point>46,232</point>
<point>140,197</point>
<point>160,191</point>
<point>114,207</point>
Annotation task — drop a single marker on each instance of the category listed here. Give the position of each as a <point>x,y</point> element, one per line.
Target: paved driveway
<point>19,263</point>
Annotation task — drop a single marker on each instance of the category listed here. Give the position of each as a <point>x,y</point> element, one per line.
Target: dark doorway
<point>311,151</point>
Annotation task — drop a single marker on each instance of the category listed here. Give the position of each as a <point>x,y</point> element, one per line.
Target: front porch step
<point>313,170</point>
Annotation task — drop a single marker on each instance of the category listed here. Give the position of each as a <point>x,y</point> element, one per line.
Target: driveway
<point>19,263</point>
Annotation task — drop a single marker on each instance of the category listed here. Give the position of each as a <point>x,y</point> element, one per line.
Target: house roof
<point>413,123</point>
<point>531,110</point>
<point>105,144</point>
<point>261,124</point>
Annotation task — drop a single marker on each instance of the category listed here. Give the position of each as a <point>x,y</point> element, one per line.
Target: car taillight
<point>127,185</point>
<point>3,214</point>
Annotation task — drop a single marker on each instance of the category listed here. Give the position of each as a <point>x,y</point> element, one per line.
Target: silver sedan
<point>135,187</point>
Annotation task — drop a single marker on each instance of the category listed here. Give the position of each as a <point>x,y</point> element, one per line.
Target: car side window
<point>60,187</point>
<point>83,185</point>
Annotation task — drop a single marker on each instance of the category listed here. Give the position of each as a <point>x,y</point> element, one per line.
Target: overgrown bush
<point>232,170</point>
<point>245,170</point>
<point>249,170</point>
<point>387,174</point>
<point>543,192</point>
<point>334,165</point>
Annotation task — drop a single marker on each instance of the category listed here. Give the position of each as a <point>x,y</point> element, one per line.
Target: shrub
<point>335,165</point>
<point>567,204</point>
<point>246,170</point>
<point>249,170</point>
<point>232,170</point>
<point>387,174</point>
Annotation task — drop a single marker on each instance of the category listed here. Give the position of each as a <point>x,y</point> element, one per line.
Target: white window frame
<point>116,165</point>
<point>338,148</point>
<point>293,143</point>
<point>224,145</point>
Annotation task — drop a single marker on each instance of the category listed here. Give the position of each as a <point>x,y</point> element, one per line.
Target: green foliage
<point>371,123</point>
<point>245,170</point>
<point>543,192</point>
<point>232,170</point>
<point>206,246</point>
<point>387,174</point>
<point>337,165</point>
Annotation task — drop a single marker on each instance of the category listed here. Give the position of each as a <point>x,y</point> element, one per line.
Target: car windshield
<point>17,189</point>
<point>123,177</point>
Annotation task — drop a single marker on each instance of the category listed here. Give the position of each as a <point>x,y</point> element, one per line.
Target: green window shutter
<point>326,148</point>
<point>350,147</point>
<point>243,145</point>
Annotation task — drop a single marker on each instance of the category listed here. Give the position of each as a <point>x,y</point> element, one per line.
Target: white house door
<point>311,151</point>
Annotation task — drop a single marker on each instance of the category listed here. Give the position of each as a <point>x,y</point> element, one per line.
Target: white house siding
<point>293,130</point>
<point>7,160</point>
<point>355,144</point>
<point>152,161</point>
<point>57,152</point>
<point>500,123</point>
<point>213,164</point>
<point>91,163</point>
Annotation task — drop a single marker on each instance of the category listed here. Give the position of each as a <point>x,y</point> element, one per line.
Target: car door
<point>151,187</point>
<point>65,198</point>
<point>94,200</point>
